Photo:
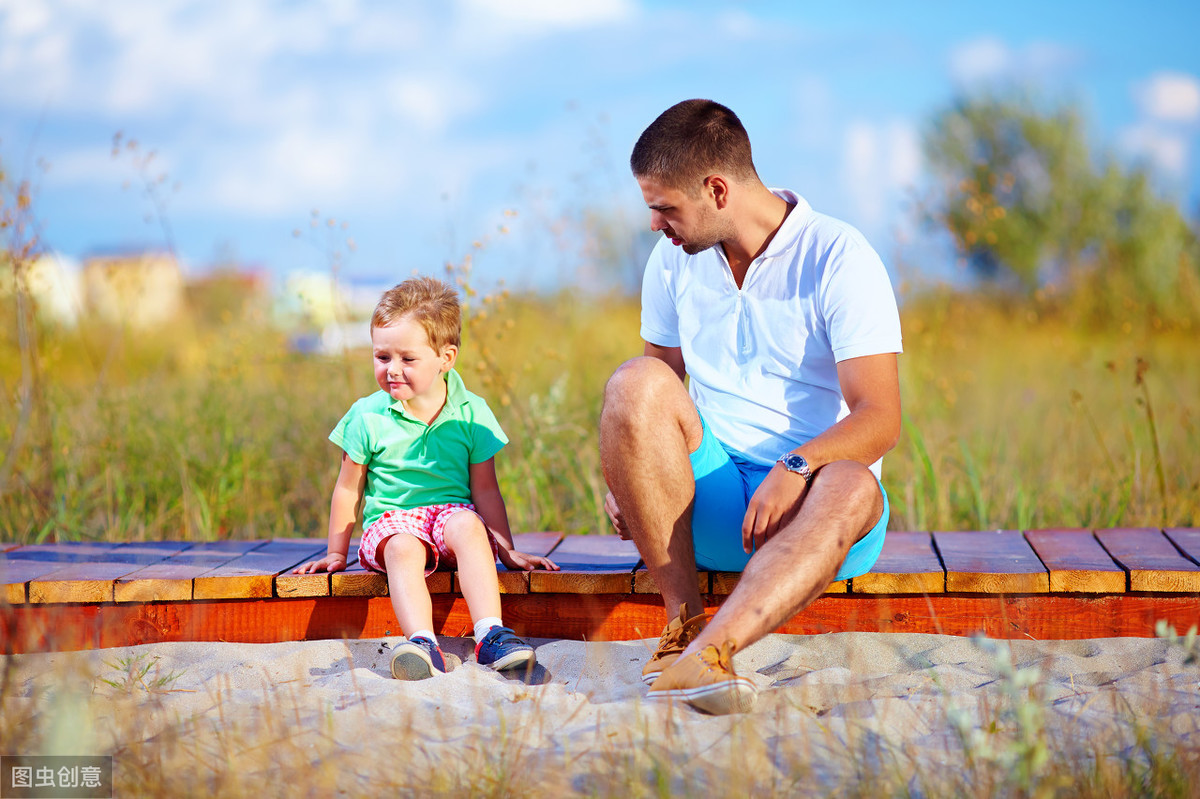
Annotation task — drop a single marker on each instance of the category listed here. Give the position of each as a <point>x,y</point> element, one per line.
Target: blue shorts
<point>724,484</point>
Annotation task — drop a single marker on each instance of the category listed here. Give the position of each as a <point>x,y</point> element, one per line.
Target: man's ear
<point>717,188</point>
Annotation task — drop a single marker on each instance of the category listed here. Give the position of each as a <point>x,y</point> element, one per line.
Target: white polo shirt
<point>762,359</point>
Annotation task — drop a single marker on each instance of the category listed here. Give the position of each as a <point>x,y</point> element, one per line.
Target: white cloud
<point>879,162</point>
<point>551,13</point>
<point>981,59</point>
<point>1170,97</point>
<point>1166,150</point>
<point>988,59</point>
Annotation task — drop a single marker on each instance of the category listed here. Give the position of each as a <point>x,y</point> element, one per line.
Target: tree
<point>1029,206</point>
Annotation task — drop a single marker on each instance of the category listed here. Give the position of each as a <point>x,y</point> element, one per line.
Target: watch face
<point>794,462</point>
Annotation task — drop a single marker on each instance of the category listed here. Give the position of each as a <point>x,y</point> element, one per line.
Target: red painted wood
<point>29,628</point>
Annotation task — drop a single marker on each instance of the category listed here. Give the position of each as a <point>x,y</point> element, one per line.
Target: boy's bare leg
<point>467,539</point>
<point>799,562</point>
<point>648,428</point>
<point>403,557</point>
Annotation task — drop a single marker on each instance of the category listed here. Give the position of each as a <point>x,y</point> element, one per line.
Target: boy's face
<point>407,366</point>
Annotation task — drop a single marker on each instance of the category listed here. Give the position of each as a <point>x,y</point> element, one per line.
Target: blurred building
<point>54,284</point>
<point>137,289</point>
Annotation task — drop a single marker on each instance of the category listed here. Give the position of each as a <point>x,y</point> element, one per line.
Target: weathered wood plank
<point>252,575</point>
<point>171,579</point>
<point>1187,539</point>
<point>1076,561</point>
<point>644,582</point>
<point>358,580</point>
<point>16,574</point>
<point>93,580</point>
<point>515,581</point>
<point>1153,562</point>
<point>991,562</point>
<point>65,552</point>
<point>723,584</point>
<point>590,564</point>
<point>908,564</point>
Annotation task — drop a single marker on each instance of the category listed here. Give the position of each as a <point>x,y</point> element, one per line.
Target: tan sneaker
<point>706,681</point>
<point>674,639</point>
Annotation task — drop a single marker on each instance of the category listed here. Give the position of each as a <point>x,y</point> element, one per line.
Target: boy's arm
<point>489,504</point>
<point>343,513</point>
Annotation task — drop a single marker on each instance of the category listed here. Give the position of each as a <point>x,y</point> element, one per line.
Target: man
<point>785,321</point>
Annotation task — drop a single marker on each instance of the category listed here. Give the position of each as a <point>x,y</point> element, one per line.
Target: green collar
<point>456,396</point>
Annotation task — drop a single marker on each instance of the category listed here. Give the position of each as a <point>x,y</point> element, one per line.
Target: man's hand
<point>775,501</point>
<point>523,561</point>
<point>614,515</point>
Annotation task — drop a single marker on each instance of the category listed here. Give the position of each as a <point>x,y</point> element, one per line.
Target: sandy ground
<point>907,713</point>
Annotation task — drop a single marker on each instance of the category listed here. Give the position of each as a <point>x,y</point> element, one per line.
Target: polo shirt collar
<point>786,236</point>
<point>456,396</point>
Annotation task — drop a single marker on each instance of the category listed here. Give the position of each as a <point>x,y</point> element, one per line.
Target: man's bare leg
<point>648,428</point>
<point>800,561</point>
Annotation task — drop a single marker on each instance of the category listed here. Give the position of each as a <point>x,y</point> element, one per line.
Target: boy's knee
<point>462,527</point>
<point>401,548</point>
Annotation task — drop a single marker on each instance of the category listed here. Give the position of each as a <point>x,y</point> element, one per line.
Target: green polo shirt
<point>411,464</point>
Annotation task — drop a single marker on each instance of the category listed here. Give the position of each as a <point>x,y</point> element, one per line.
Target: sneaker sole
<point>517,660</point>
<point>732,696</point>
<point>411,663</point>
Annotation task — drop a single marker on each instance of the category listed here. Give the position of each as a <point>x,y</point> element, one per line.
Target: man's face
<point>689,222</point>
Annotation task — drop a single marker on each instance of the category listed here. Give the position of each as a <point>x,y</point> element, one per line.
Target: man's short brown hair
<point>429,301</point>
<point>690,141</point>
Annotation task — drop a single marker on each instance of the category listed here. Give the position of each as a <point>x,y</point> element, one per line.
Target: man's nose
<point>657,222</point>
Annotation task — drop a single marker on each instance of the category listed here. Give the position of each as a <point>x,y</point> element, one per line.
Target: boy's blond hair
<point>429,301</point>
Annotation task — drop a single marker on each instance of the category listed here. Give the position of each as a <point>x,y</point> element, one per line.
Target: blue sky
<point>426,129</point>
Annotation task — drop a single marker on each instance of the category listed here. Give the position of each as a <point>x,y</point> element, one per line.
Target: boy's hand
<point>522,561</point>
<point>334,562</point>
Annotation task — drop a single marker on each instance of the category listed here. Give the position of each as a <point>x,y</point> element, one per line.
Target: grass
<point>206,431</point>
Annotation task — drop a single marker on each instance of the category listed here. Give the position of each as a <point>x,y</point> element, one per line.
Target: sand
<point>838,712</point>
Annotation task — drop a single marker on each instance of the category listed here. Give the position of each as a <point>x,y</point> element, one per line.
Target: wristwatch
<point>796,463</point>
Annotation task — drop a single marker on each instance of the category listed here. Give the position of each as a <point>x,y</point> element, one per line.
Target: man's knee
<point>635,388</point>
<point>852,486</point>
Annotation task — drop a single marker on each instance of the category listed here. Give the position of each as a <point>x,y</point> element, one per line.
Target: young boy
<point>419,454</point>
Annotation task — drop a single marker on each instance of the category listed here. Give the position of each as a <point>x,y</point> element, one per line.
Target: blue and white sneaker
<point>502,649</point>
<point>418,659</point>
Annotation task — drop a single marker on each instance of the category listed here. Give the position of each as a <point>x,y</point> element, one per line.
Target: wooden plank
<point>908,564</point>
<point>1187,540</point>
<point>252,575</point>
<point>1076,561</point>
<point>66,552</point>
<point>16,574</point>
<point>514,581</point>
<point>93,580</point>
<point>992,562</point>
<point>171,579</point>
<point>723,584</point>
<point>644,582</point>
<point>1153,562</point>
<point>39,628</point>
<point>358,580</point>
<point>590,564</point>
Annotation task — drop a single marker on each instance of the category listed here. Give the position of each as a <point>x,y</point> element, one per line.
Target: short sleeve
<point>351,435</point>
<point>487,437</point>
<point>859,306</point>
<point>660,318</point>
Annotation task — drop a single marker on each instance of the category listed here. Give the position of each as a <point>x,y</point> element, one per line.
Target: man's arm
<point>671,356</point>
<point>871,386</point>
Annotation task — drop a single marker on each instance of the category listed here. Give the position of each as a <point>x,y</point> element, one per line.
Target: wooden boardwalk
<point>1005,584</point>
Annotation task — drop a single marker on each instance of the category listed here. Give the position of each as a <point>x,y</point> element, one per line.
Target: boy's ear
<point>449,356</point>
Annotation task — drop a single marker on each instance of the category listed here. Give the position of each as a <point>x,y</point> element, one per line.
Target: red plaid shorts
<point>427,524</point>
